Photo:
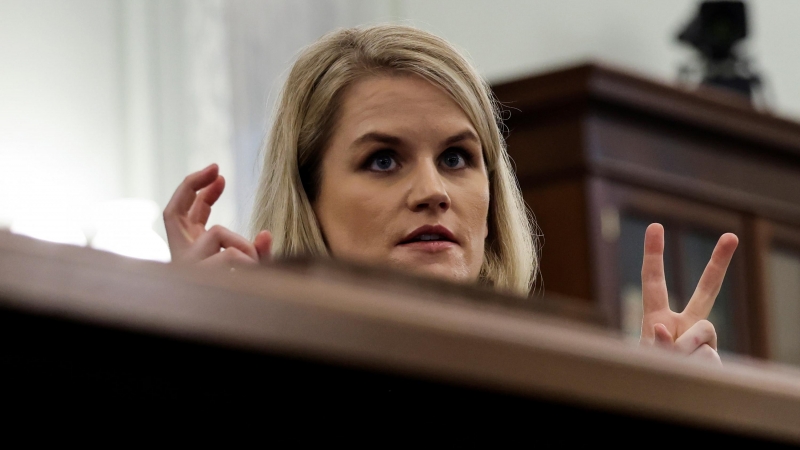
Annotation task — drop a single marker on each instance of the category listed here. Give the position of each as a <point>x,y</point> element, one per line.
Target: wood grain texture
<point>327,314</point>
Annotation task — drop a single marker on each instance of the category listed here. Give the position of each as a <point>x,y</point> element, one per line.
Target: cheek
<point>477,206</point>
<point>354,217</point>
<point>472,208</point>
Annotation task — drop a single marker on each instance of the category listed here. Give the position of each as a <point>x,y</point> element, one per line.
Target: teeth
<point>429,237</point>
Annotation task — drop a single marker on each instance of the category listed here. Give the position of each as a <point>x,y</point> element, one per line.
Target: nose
<point>428,190</point>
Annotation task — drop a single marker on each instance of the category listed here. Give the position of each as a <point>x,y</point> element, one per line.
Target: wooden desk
<point>324,345</point>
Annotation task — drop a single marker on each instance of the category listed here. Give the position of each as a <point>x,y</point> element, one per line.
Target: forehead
<point>401,103</point>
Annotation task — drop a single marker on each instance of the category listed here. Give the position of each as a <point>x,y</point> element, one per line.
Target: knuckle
<point>231,254</point>
<point>217,230</point>
<point>707,326</point>
<point>707,352</point>
<point>234,255</point>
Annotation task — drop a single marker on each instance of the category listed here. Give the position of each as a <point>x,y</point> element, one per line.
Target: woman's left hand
<point>686,332</point>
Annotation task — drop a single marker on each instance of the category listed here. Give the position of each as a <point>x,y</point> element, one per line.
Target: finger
<point>663,338</point>
<point>186,192</point>
<point>216,239</point>
<point>708,287</point>
<point>263,245</point>
<point>699,334</point>
<point>654,284</point>
<point>201,207</point>
<point>180,203</point>
<point>228,258</point>
<point>707,354</point>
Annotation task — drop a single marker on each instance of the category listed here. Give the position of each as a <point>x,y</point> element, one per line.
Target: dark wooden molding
<point>706,108</point>
<point>592,119</point>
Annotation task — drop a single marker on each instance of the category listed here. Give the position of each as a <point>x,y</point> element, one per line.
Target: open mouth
<point>429,234</point>
<point>429,237</point>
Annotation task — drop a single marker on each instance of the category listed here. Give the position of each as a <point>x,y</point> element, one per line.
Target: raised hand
<point>185,219</point>
<point>687,332</point>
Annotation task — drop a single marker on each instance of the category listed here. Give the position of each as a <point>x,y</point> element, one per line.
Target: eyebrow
<point>383,138</point>
<point>389,139</point>
<point>466,135</point>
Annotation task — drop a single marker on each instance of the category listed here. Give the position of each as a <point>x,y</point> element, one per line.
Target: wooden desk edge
<point>281,312</point>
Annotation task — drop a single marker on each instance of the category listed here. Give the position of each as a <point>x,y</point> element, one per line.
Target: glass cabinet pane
<point>784,305</point>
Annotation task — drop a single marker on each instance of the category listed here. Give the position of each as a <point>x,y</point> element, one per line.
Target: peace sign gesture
<point>687,332</point>
<point>185,219</point>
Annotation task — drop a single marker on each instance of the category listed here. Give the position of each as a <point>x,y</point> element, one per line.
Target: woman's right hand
<point>185,219</point>
<point>687,332</point>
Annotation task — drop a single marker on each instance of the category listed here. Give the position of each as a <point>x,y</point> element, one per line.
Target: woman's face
<point>403,180</point>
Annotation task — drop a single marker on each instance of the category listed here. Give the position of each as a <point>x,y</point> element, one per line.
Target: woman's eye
<point>454,160</point>
<point>383,163</point>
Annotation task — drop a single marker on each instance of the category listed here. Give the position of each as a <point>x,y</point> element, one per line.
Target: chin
<point>454,272</point>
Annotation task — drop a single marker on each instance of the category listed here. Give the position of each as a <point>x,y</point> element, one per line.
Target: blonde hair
<point>305,117</point>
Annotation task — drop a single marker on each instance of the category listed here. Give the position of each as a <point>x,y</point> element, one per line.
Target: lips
<point>429,234</point>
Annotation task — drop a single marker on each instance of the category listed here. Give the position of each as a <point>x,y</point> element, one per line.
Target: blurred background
<point>106,105</point>
<point>108,99</point>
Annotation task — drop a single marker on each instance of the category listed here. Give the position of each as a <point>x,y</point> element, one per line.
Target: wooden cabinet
<point>601,153</point>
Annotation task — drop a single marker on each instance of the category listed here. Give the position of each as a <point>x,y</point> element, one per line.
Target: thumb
<point>263,245</point>
<point>663,338</point>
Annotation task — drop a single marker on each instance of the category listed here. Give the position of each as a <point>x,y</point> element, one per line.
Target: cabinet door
<point>782,296</point>
<point>784,304</point>
<point>691,233</point>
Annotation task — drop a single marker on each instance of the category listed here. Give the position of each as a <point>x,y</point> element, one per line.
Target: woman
<point>386,149</point>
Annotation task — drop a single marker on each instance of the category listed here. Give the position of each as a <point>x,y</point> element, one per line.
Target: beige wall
<point>60,104</point>
<point>511,38</point>
<point>108,98</point>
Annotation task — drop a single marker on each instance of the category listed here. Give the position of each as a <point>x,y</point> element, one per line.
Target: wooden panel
<point>377,327</point>
<point>721,173</point>
<point>767,237</point>
<point>757,248</point>
<point>560,211</point>
<point>547,150</point>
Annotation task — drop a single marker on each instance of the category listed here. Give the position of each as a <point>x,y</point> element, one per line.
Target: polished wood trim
<point>585,136</point>
<point>707,108</point>
<point>757,246</point>
<point>325,317</point>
